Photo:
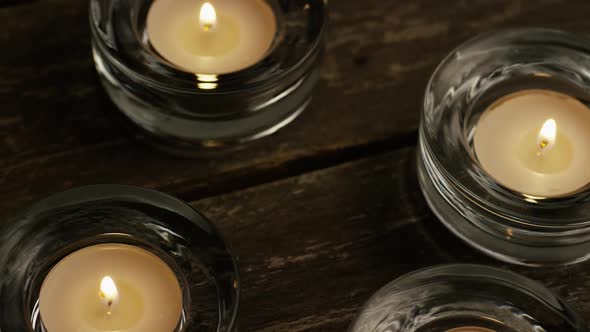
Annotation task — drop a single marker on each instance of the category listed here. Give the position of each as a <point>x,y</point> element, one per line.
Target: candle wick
<point>109,307</point>
<point>544,144</point>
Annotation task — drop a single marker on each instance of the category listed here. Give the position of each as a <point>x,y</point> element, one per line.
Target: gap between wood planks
<point>254,177</point>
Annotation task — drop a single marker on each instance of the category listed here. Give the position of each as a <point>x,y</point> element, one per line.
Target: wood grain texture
<point>59,130</point>
<point>313,248</point>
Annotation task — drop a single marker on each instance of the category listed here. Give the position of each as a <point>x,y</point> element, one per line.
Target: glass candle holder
<point>520,205</point>
<point>82,218</point>
<point>468,298</point>
<point>184,109</point>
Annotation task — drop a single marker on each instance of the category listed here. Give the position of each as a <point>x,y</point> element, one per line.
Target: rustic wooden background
<point>321,214</point>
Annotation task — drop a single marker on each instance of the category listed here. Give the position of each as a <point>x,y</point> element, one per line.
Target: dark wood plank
<point>59,130</point>
<point>313,248</point>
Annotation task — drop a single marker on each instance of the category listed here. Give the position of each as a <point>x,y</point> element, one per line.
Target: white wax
<point>506,143</point>
<point>243,33</point>
<point>149,296</point>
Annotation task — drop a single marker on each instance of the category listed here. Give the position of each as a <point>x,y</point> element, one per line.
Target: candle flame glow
<point>207,81</point>
<point>208,17</point>
<point>109,294</point>
<point>547,134</point>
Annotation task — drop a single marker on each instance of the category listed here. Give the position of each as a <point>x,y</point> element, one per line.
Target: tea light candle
<point>110,287</point>
<point>211,37</point>
<point>536,142</point>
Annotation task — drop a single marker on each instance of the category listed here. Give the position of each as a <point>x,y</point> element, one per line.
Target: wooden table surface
<point>323,213</point>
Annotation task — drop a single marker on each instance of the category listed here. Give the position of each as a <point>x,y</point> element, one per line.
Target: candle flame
<point>547,134</point>
<point>208,17</point>
<point>109,294</point>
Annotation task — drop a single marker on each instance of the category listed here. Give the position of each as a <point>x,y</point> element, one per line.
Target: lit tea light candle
<point>214,37</point>
<point>110,287</point>
<point>536,142</point>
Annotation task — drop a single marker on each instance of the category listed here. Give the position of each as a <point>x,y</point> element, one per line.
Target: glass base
<point>182,134</point>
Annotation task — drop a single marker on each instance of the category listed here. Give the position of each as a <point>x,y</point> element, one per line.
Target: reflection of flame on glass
<point>546,138</point>
<point>207,17</point>
<point>207,81</point>
<point>109,294</point>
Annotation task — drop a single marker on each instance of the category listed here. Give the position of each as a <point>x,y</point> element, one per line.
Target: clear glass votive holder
<point>185,110</point>
<point>465,298</point>
<point>503,223</point>
<point>111,214</point>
